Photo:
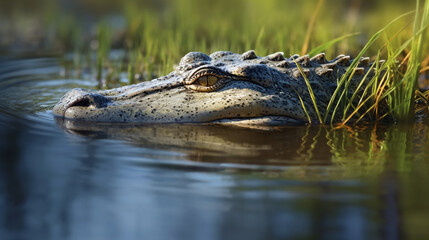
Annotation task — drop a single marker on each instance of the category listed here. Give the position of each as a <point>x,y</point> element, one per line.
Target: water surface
<point>199,181</point>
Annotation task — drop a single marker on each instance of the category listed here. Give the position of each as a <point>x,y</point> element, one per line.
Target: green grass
<point>265,38</point>
<point>156,34</point>
<point>347,77</point>
<point>390,91</point>
<point>402,100</point>
<point>267,27</point>
<point>310,91</point>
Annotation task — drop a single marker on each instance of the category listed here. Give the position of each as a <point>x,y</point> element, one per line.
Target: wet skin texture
<point>224,87</point>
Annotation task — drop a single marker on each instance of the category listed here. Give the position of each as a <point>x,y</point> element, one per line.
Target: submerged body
<point>224,87</point>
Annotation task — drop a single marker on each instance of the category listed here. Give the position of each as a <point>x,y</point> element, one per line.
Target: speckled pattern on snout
<point>222,87</point>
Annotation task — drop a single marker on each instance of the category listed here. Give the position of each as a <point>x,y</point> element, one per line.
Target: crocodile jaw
<point>142,104</point>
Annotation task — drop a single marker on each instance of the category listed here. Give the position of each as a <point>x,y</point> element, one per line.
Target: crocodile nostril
<point>80,98</point>
<point>84,102</point>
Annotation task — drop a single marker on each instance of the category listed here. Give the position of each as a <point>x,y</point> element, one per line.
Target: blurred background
<point>169,182</point>
<point>154,35</point>
<point>165,30</point>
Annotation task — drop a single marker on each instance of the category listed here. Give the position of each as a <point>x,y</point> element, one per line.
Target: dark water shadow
<point>366,147</point>
<point>69,180</point>
<point>216,143</point>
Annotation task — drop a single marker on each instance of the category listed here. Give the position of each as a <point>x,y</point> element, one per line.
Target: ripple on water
<point>136,180</point>
<point>30,87</point>
<point>33,85</point>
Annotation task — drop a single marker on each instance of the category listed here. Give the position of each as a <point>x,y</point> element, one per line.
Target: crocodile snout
<point>79,98</point>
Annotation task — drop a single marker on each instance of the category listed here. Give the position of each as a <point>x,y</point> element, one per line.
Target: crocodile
<point>223,87</point>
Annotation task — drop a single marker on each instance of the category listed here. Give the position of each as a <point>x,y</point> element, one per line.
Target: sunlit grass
<point>104,44</point>
<point>403,99</point>
<point>366,101</point>
<point>155,35</point>
<point>389,91</point>
<point>338,96</point>
<point>311,93</point>
<point>266,27</point>
<point>311,24</point>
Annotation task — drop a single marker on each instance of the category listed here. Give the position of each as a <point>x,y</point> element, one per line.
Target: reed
<point>403,96</point>
<point>156,35</point>
<point>339,95</point>
<point>390,90</point>
<point>103,46</point>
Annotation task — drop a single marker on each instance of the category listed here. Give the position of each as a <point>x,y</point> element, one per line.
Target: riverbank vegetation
<point>140,40</point>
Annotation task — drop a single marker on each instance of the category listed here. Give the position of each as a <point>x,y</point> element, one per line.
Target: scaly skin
<point>224,87</point>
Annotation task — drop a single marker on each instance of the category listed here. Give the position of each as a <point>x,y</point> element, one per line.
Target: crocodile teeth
<point>324,71</point>
<point>278,56</point>
<point>297,74</point>
<point>363,61</point>
<point>319,58</point>
<point>249,55</point>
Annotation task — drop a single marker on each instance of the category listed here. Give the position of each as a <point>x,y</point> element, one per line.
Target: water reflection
<point>88,191</point>
<point>369,147</point>
<point>215,143</point>
<point>67,180</point>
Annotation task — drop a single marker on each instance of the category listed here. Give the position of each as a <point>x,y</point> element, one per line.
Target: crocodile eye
<point>207,81</point>
<point>211,80</point>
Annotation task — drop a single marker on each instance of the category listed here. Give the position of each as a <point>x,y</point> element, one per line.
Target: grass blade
<point>327,45</point>
<point>355,61</point>
<point>310,91</point>
<point>311,26</point>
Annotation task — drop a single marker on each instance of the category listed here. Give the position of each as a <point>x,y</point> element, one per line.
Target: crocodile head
<point>224,87</point>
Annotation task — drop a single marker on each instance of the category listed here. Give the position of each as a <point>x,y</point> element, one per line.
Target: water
<point>196,181</point>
